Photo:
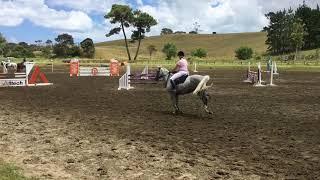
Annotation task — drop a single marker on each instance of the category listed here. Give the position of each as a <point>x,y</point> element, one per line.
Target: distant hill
<point>218,46</point>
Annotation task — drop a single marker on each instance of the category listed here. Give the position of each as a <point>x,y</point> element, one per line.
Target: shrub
<point>170,50</point>
<point>201,53</point>
<point>244,53</point>
<point>257,56</point>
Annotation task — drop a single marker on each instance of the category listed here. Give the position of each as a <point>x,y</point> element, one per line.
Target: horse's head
<point>162,74</point>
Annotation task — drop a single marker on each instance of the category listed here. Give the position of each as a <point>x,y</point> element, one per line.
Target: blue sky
<point>30,20</point>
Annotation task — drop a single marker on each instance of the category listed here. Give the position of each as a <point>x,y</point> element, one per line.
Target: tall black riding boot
<point>173,84</point>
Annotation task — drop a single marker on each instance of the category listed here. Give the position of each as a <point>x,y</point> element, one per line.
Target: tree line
<point>63,47</point>
<point>291,31</point>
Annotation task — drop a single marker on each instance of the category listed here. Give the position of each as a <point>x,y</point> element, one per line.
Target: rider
<point>181,69</point>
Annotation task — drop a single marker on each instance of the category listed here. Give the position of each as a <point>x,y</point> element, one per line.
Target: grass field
<point>220,50</point>
<point>220,46</point>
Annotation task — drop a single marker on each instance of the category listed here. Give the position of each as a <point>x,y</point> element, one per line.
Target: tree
<point>19,51</point>
<point>193,32</point>
<point>88,49</point>
<point>196,27</point>
<point>49,43</point>
<point>8,48</point>
<point>65,39</point>
<point>46,52</point>
<point>74,51</point>
<point>151,50</point>
<point>279,30</point>
<point>305,14</point>
<point>3,43</point>
<point>179,32</point>
<point>244,53</point>
<point>123,15</point>
<point>143,23</point>
<point>24,44</point>
<point>281,27</point>
<point>201,53</point>
<point>170,50</point>
<point>310,17</point>
<point>60,50</point>
<point>297,36</point>
<point>38,42</point>
<point>166,31</point>
<point>65,46</point>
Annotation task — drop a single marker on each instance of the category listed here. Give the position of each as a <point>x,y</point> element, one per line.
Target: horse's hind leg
<point>205,99</point>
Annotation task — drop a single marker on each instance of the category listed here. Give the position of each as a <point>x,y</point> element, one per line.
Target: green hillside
<point>218,46</point>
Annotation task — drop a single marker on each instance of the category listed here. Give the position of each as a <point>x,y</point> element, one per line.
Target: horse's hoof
<point>177,112</point>
<point>208,111</point>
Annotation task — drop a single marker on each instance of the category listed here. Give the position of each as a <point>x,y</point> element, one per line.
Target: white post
<point>51,65</point>
<point>259,83</point>
<point>29,66</point>
<point>128,77</point>
<point>271,76</point>
<point>248,72</point>
<point>275,69</point>
<point>145,73</point>
<point>195,67</point>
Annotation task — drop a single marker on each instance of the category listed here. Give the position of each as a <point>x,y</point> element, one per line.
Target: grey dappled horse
<point>196,84</point>
<point>7,64</point>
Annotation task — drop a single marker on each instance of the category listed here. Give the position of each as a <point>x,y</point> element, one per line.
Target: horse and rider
<point>16,67</point>
<point>179,82</point>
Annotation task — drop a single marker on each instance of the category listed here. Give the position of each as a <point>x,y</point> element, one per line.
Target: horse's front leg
<point>175,100</point>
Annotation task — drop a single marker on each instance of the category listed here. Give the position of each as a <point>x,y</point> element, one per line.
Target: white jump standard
<point>124,81</point>
<point>256,77</point>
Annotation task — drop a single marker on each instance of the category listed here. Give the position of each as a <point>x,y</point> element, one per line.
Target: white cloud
<point>12,39</point>
<point>222,16</point>
<point>89,6</point>
<point>13,13</point>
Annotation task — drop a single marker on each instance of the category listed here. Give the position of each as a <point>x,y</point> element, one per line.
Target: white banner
<point>12,82</point>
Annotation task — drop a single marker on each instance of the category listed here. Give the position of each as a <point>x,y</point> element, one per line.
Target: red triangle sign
<point>37,73</point>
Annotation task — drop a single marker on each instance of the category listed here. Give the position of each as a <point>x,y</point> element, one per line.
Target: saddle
<point>181,79</point>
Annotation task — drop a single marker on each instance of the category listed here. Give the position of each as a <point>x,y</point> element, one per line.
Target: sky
<point>31,20</point>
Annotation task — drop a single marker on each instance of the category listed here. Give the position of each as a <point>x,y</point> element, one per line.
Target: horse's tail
<point>202,84</point>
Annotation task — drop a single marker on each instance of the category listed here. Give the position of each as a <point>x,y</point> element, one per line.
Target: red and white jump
<point>22,79</point>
